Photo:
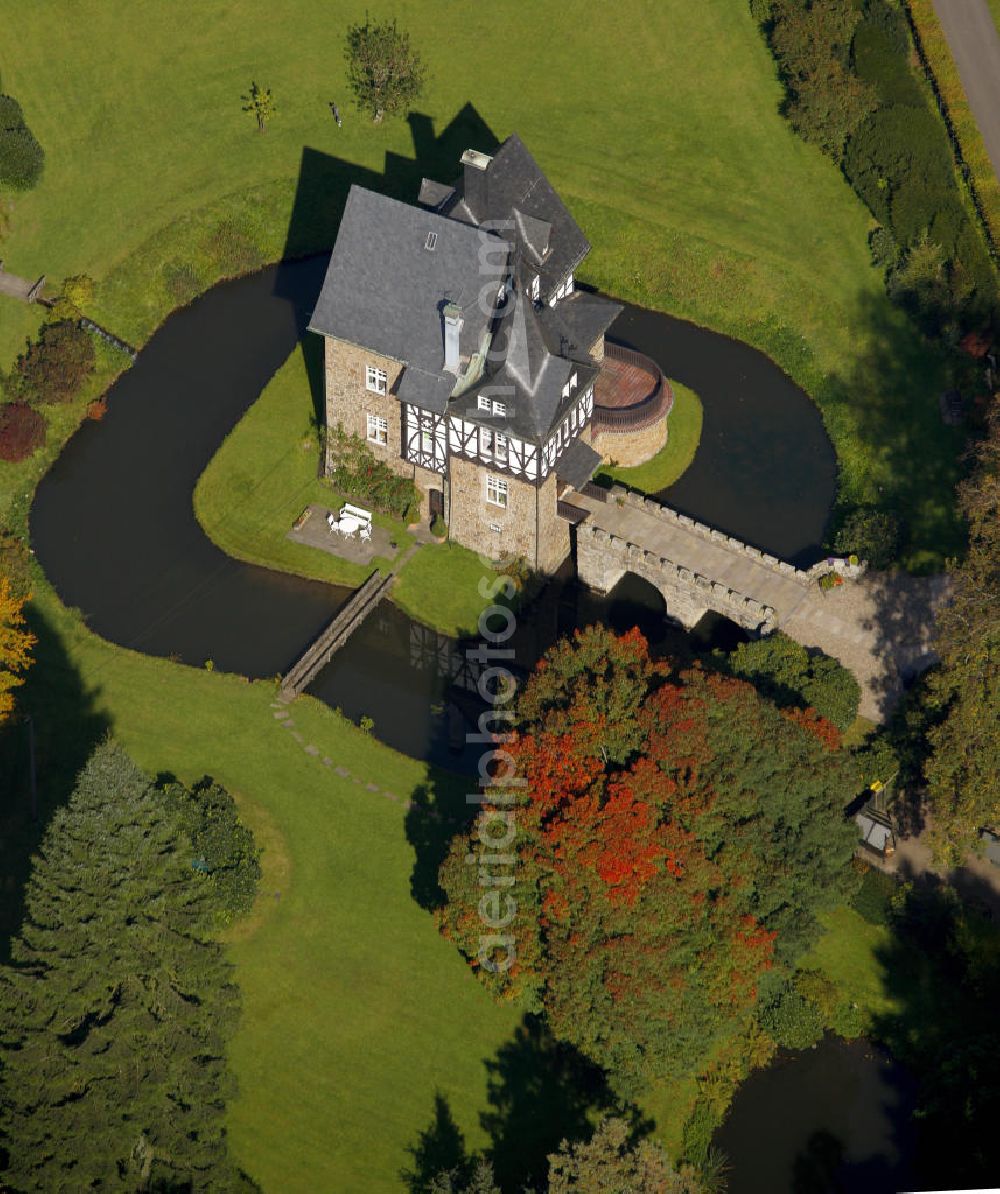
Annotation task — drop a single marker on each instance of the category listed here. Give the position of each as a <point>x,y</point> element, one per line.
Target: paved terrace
<point>878,626</point>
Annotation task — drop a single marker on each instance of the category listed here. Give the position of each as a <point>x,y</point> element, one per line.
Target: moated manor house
<point>459,348</point>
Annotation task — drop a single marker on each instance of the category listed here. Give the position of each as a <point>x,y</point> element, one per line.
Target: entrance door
<point>435,503</point>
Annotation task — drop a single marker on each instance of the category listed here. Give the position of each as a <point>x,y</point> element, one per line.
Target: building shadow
<point>68,723</point>
<point>322,186</point>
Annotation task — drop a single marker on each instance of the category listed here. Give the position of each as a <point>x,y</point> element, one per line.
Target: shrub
<point>15,563</point>
<point>872,534</point>
<point>793,1021</point>
<point>883,247</point>
<point>78,292</point>
<point>785,672</point>
<point>21,157</point>
<point>439,527</point>
<point>223,847</point>
<point>22,431</point>
<point>699,1131</point>
<point>97,409</point>
<point>355,471</point>
<point>873,899</point>
<point>56,365</point>
<point>849,1020</point>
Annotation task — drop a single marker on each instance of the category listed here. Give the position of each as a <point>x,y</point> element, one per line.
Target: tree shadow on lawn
<point>540,1092</point>
<point>884,405</point>
<point>941,966</point>
<point>438,812</point>
<point>67,726</point>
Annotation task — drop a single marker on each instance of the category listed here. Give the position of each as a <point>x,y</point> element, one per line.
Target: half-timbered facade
<point>458,347</point>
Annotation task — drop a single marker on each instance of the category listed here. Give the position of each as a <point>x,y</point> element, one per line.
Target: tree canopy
<point>116,1008</point>
<point>964,766</point>
<point>785,672</point>
<point>674,837</point>
<point>259,103</point>
<point>15,646</point>
<point>385,73</point>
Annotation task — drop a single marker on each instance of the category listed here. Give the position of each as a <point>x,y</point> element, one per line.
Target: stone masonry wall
<point>620,494</point>
<point>471,518</point>
<point>629,448</point>
<point>602,559</point>
<point>348,401</point>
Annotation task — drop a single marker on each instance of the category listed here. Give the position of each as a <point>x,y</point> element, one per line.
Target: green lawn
<point>264,475</point>
<point>849,953</point>
<point>355,1011</point>
<point>659,124</point>
<point>684,427</point>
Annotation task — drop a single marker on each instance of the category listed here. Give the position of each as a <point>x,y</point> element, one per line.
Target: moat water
<point>114,529</point>
<point>837,1118</point>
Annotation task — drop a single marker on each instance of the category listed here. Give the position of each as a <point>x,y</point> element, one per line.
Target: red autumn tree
<point>665,840</point>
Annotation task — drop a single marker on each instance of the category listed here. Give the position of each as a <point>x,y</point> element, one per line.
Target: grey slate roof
<point>874,831</point>
<point>577,464</point>
<point>428,390</point>
<point>385,291</point>
<point>526,376</point>
<point>514,181</point>
<point>575,322</point>
<point>434,194</point>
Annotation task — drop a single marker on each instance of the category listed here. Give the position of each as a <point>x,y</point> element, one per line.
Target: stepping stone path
<point>284,719</point>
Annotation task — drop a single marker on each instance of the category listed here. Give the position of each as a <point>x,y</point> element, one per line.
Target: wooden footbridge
<point>319,653</point>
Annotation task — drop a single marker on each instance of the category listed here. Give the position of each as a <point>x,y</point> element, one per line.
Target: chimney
<point>452,329</point>
<point>475,166</point>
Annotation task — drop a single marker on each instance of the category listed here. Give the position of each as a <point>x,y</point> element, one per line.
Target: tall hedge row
<point>873,113</point>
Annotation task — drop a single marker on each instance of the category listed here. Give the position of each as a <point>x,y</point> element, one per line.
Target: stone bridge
<point>876,625</point>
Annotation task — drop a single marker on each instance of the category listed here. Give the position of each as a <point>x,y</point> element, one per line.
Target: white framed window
<point>565,392</point>
<point>500,447</point>
<point>573,381</point>
<point>483,402</point>
<point>376,379</point>
<point>496,490</point>
<point>427,443</point>
<point>496,528</point>
<point>378,429</point>
<point>536,288</point>
<point>499,408</point>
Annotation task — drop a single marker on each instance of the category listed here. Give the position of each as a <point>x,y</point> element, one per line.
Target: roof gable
<point>513,188</point>
<point>386,287</point>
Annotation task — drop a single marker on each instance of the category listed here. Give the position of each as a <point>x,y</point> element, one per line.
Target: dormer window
<point>536,288</point>
<point>376,380</point>
<point>430,244</point>
<point>499,408</point>
<point>572,382</point>
<point>483,402</point>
